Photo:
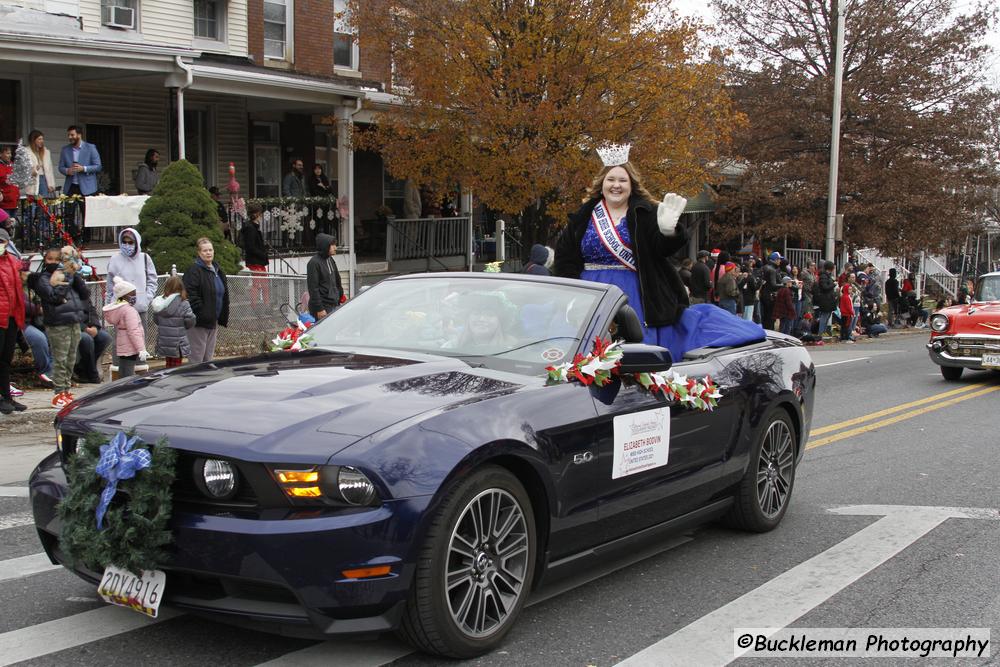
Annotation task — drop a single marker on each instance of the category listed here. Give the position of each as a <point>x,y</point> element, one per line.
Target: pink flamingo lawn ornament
<point>236,202</point>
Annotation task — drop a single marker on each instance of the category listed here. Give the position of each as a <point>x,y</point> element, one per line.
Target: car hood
<point>980,319</point>
<point>285,407</point>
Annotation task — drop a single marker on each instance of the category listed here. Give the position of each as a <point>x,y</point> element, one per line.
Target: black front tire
<point>951,373</point>
<point>765,491</point>
<point>488,576</point>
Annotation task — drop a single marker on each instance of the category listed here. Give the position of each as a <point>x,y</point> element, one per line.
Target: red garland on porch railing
<point>55,220</point>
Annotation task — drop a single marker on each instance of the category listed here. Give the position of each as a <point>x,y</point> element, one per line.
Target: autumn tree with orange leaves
<point>510,98</point>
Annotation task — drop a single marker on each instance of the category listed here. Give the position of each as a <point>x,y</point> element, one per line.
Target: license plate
<point>124,589</point>
<point>991,360</point>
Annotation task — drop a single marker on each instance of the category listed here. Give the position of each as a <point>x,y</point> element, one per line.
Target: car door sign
<point>642,441</point>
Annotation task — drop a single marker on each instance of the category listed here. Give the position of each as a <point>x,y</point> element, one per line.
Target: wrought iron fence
<point>255,311</point>
<point>799,256</point>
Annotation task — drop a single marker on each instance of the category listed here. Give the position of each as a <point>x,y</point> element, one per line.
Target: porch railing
<point>428,238</point>
<point>291,225</point>
<point>938,274</point>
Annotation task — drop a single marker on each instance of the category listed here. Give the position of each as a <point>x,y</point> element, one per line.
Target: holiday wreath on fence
<point>118,506</point>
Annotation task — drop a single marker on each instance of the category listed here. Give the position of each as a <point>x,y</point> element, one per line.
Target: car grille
<point>972,348</point>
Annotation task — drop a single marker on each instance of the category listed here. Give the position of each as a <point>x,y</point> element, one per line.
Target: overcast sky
<point>701,9</point>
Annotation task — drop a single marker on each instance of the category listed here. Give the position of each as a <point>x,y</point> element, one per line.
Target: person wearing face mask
<point>11,320</point>
<point>63,293</point>
<point>624,237</point>
<point>136,267</point>
<point>130,341</point>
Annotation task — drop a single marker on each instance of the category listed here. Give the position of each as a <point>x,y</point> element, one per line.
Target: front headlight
<point>939,322</point>
<point>354,487</point>
<point>216,478</point>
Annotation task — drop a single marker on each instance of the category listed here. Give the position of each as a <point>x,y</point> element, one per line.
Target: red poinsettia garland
<point>603,364</point>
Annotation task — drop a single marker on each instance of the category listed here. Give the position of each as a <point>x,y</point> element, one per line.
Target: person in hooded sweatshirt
<point>540,260</point>
<point>323,279</point>
<point>135,266</point>
<point>130,343</point>
<point>208,293</point>
<point>173,316</point>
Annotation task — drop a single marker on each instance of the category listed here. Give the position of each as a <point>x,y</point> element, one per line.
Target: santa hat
<point>122,287</point>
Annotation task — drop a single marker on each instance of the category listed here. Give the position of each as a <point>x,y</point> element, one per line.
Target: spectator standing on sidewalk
<point>208,293</point>
<point>136,267</point>
<point>825,296</point>
<point>130,341</point>
<point>808,278</point>
<point>11,321</point>
<point>726,288</point>
<point>323,279</point>
<point>701,278</point>
<point>846,314</point>
<point>63,293</point>
<point>174,318</point>
<point>784,306</point>
<point>892,297</point>
<point>768,290</point>
<point>748,286</point>
<point>255,255</point>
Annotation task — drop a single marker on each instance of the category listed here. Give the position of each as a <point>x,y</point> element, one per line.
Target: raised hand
<point>669,212</point>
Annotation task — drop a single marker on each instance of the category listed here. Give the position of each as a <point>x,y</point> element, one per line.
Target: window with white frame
<point>210,19</point>
<point>277,29</point>
<point>345,48</point>
<point>122,14</point>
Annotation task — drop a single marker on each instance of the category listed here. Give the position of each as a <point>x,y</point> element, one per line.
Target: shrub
<point>178,213</point>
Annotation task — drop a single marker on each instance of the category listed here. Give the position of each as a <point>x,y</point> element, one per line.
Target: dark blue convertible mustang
<point>415,471</point>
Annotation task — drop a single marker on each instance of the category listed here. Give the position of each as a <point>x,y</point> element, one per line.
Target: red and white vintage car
<point>968,336</point>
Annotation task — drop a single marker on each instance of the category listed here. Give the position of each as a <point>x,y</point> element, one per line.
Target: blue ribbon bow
<point>118,462</point>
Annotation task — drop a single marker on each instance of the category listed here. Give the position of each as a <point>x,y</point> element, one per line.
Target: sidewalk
<point>891,333</point>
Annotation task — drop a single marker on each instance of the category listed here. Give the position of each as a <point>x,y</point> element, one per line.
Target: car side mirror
<point>642,358</point>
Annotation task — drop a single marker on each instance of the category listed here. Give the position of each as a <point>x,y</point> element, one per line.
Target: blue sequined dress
<point>700,325</point>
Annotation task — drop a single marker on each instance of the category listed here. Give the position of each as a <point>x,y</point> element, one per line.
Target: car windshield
<point>988,289</point>
<point>512,325</point>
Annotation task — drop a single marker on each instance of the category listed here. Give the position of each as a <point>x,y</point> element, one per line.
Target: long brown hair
<point>175,285</point>
<point>596,189</point>
<point>34,134</point>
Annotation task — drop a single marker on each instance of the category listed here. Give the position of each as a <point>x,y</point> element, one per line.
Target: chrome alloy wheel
<point>774,469</point>
<point>487,562</point>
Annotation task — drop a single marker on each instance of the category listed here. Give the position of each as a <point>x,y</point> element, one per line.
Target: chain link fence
<point>256,312</point>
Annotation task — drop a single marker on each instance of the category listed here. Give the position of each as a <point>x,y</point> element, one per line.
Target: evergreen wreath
<point>135,527</point>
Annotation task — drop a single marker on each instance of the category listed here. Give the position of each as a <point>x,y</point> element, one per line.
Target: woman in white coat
<point>41,166</point>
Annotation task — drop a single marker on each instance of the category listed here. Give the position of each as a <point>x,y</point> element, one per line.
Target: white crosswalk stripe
<point>25,566</point>
<point>344,654</point>
<point>72,631</point>
<point>13,492</point>
<point>16,520</point>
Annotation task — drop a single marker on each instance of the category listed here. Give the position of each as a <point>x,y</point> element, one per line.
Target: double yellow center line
<point>872,421</point>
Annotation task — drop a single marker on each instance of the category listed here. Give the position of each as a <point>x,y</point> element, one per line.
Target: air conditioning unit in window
<point>118,17</point>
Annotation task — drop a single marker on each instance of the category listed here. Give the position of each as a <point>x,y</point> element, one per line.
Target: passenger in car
<point>622,236</point>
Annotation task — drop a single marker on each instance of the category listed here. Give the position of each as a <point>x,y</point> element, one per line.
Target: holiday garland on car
<point>603,365</point>
<point>118,506</point>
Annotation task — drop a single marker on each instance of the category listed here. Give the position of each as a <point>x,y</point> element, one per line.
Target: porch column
<point>345,183</point>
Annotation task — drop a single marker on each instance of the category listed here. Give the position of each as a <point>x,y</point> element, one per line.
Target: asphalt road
<point>904,451</point>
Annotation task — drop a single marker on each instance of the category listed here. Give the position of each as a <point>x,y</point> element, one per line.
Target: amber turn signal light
<point>367,572</point>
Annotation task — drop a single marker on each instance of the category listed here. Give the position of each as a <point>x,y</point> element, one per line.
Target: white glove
<point>669,212</point>
<point>143,355</point>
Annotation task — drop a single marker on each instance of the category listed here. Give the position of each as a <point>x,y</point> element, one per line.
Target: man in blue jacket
<point>80,163</point>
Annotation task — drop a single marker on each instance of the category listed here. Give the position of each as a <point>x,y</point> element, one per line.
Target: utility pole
<point>838,81</point>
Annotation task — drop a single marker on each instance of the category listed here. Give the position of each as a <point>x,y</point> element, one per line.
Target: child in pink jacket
<point>130,338</point>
